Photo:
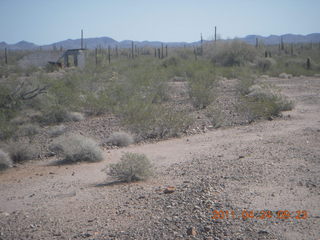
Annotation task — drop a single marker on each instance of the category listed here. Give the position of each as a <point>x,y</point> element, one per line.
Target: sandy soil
<point>272,166</point>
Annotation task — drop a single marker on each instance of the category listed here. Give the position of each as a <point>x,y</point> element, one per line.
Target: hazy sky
<point>48,21</point>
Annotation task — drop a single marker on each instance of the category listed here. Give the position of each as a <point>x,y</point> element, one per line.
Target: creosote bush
<point>5,161</point>
<point>263,101</point>
<point>77,148</point>
<point>120,139</point>
<point>132,167</point>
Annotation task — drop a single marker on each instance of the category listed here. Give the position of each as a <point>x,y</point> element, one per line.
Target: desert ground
<point>264,166</point>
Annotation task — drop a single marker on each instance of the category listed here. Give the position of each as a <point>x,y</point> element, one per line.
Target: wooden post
<point>132,52</point>
<point>109,54</point>
<point>5,56</point>
<point>257,42</point>
<point>166,50</point>
<point>155,52</point>
<point>81,39</point>
<point>159,56</point>
<point>96,56</point>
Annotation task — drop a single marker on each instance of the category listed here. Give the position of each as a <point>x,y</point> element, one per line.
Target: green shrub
<point>265,102</point>
<point>54,114</point>
<point>148,120</point>
<point>77,148</point>
<point>120,139</point>
<point>232,53</point>
<point>201,90</point>
<point>5,161</point>
<point>244,84</point>
<point>132,167</point>
<point>265,64</point>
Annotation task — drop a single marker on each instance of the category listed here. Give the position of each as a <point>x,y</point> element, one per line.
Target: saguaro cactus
<point>132,50</point>
<point>5,56</point>
<point>161,50</point>
<point>215,33</point>
<point>109,54</point>
<point>308,63</point>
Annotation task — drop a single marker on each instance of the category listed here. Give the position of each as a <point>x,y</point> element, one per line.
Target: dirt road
<point>266,167</point>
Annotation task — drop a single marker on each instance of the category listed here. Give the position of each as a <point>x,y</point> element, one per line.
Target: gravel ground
<point>265,166</point>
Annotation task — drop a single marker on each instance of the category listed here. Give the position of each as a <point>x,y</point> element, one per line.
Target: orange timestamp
<point>261,214</point>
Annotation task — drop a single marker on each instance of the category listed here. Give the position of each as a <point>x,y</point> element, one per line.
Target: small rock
<point>169,189</point>
<point>86,235</point>
<point>241,156</point>
<point>263,232</point>
<point>207,228</point>
<point>191,231</point>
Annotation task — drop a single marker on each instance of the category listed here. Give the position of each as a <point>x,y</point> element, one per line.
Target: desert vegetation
<point>76,148</point>
<point>132,167</point>
<point>134,86</point>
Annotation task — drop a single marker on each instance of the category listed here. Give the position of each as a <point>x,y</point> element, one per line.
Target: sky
<point>48,21</point>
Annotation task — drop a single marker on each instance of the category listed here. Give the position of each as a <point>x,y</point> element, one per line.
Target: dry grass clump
<point>132,167</point>
<point>5,161</point>
<point>56,131</point>
<point>20,152</point>
<point>75,116</point>
<point>120,139</point>
<point>285,75</point>
<point>77,148</point>
<point>28,130</point>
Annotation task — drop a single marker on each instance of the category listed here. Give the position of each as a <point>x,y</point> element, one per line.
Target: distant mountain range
<point>104,42</point>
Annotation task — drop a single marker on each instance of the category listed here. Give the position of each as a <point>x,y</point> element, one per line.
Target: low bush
<point>28,130</point>
<point>5,161</point>
<point>201,90</point>
<point>148,120</point>
<point>54,114</point>
<point>77,148</point>
<point>56,131</point>
<point>265,64</point>
<point>263,101</point>
<point>20,151</point>
<point>233,53</point>
<point>132,167</point>
<point>75,116</point>
<point>120,139</point>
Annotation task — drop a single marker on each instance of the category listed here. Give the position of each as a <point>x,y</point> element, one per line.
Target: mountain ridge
<point>104,42</point>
